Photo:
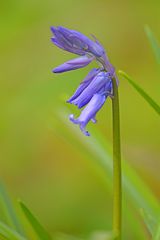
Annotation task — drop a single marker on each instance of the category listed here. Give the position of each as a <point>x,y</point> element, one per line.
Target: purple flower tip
<point>76,42</point>
<point>89,112</point>
<point>73,64</point>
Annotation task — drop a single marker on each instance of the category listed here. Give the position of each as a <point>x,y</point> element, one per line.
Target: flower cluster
<point>97,86</point>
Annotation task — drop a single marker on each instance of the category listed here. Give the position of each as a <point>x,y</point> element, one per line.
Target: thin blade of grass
<point>149,221</point>
<point>38,228</point>
<point>9,211</point>
<point>152,225</point>
<point>137,192</point>
<point>148,99</point>
<point>9,234</point>
<point>154,43</point>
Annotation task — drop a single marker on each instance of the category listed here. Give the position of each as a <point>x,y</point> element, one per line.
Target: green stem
<point>117,188</point>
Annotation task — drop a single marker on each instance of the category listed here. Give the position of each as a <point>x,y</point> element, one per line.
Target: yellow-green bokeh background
<point>38,164</point>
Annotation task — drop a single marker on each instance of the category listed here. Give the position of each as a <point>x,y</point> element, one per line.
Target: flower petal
<point>96,85</point>
<point>84,84</point>
<point>73,64</point>
<point>89,112</point>
<point>76,42</point>
<point>64,42</point>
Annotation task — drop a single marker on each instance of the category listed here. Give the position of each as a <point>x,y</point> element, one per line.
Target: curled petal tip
<point>93,120</point>
<point>72,119</point>
<point>85,132</point>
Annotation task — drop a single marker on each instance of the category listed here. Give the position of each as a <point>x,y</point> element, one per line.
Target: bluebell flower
<point>97,85</point>
<point>89,112</point>
<point>100,83</point>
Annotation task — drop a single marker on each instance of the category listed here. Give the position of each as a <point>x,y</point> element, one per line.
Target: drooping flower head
<point>97,86</point>
<point>75,42</point>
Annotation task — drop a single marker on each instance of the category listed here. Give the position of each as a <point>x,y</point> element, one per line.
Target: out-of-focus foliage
<point>40,231</point>
<point>8,211</point>
<point>154,43</point>
<point>42,161</point>
<point>140,90</point>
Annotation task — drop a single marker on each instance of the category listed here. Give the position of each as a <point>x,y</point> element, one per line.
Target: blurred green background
<point>40,164</point>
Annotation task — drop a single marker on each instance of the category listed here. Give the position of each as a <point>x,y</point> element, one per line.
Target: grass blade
<point>149,221</point>
<point>40,231</point>
<point>148,99</point>
<point>9,234</point>
<point>152,225</point>
<point>154,43</point>
<point>136,191</point>
<point>9,212</point>
<point>157,233</point>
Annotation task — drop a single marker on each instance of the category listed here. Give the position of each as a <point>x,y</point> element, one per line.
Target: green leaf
<point>154,43</point>
<point>40,231</point>
<point>148,99</point>
<point>9,212</point>
<point>9,234</point>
